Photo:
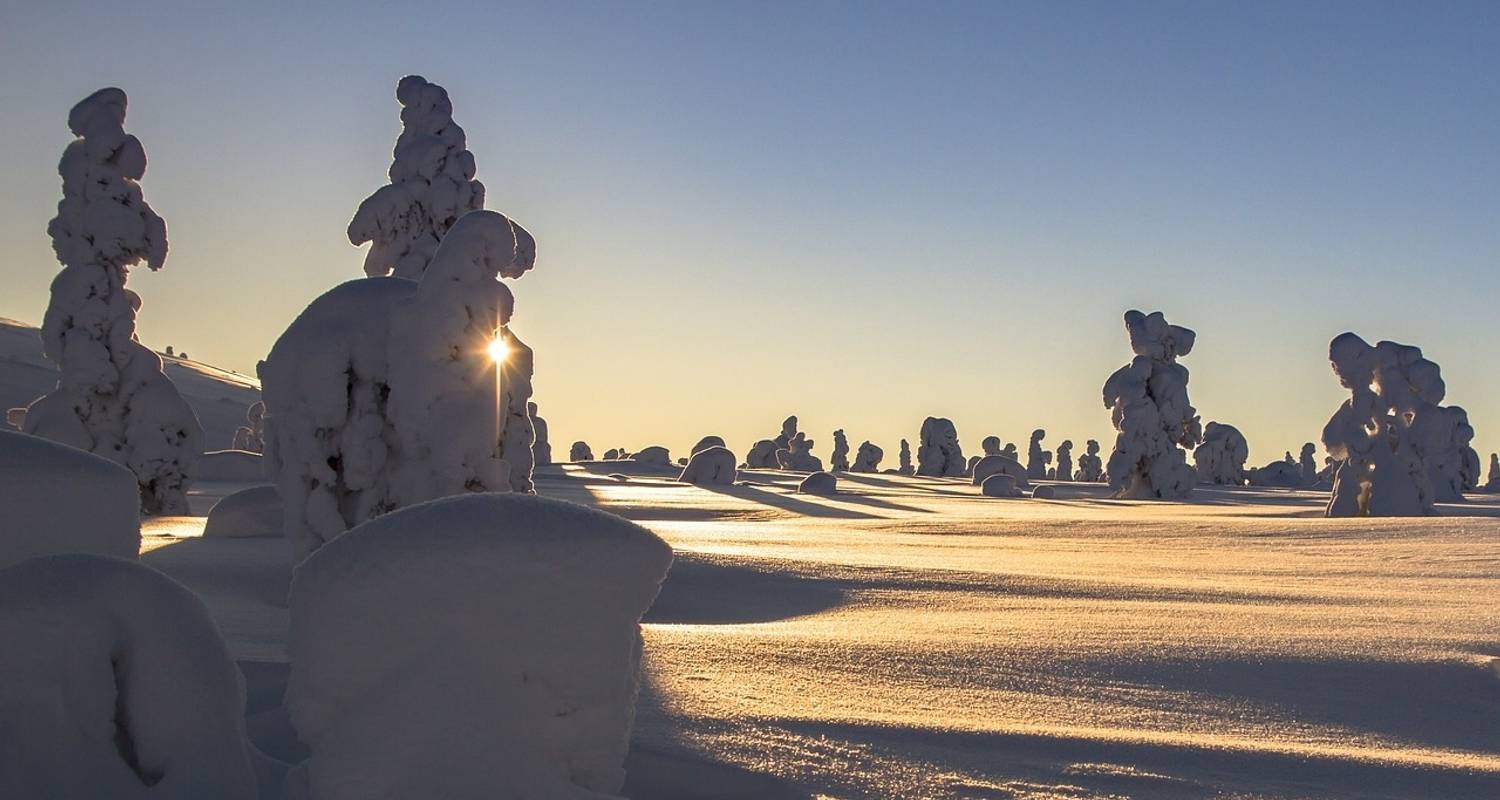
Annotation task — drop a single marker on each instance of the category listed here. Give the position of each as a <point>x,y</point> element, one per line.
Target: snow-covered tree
<point>839,461</point>
<point>112,397</point>
<point>1221,458</point>
<point>1037,458</point>
<point>1090,465</point>
<point>580,451</point>
<point>939,453</point>
<point>867,458</point>
<point>432,186</point>
<point>1307,465</point>
<point>252,435</point>
<point>1065,460</point>
<point>541,449</point>
<point>798,455</point>
<point>991,445</point>
<point>1382,432</point>
<point>1148,403</point>
<point>905,459</point>
<point>383,392</point>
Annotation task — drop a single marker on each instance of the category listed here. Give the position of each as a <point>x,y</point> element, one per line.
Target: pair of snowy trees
<point>112,397</point>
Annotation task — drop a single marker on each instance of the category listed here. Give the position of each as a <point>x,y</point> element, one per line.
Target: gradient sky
<point>862,214</point>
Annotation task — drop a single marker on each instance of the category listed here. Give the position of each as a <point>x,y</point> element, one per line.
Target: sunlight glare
<point>499,350</point>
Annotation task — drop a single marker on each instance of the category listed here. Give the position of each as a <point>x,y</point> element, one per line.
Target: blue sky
<point>859,213</point>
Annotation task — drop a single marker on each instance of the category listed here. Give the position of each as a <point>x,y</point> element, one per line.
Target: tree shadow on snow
<point>700,591</point>
<point>789,503</point>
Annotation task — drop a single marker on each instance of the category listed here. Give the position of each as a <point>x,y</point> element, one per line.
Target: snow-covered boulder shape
<point>991,445</point>
<point>432,186</point>
<point>230,465</point>
<point>999,484</point>
<point>379,362</point>
<point>479,646</point>
<point>1065,460</point>
<point>654,456</point>
<point>1221,458</point>
<point>711,466</point>
<point>248,513</point>
<point>58,499</point>
<point>798,455</point>
<point>839,461</point>
<point>580,452</point>
<point>762,455</point>
<point>867,458</point>
<point>999,465</point>
<point>705,443</point>
<point>1148,403</point>
<point>541,449</point>
<point>905,459</point>
<point>1043,493</point>
<point>252,435</point>
<point>115,683</point>
<point>1090,465</point>
<point>1037,458</point>
<point>819,483</point>
<point>1380,432</point>
<point>112,398</point>
<point>938,454</point>
<point>1283,474</point>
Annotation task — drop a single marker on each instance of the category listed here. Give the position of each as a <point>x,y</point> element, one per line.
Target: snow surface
<point>231,465</point>
<point>57,499</point>
<point>116,684</point>
<point>908,637</point>
<point>478,646</point>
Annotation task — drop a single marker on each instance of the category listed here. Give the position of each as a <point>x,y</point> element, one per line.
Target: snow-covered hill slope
<point>219,397</point>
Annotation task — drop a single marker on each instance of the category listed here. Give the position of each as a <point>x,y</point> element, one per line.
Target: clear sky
<point>859,213</point>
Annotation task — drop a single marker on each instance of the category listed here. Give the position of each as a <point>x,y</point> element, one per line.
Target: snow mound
<point>819,483</point>
<point>999,465</point>
<point>999,484</point>
<point>124,688</point>
<point>711,466</point>
<point>56,499</point>
<point>1283,474</point>
<point>478,646</point>
<point>241,466</point>
<point>653,456</point>
<point>762,455</point>
<point>252,512</point>
<point>1043,493</point>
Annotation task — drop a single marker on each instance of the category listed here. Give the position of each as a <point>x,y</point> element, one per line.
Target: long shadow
<point>787,503</point>
<point>1184,771</point>
<point>869,478</point>
<point>876,502</point>
<point>703,591</point>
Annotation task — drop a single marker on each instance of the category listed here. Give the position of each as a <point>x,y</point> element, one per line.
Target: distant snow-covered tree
<point>112,397</point>
<point>432,186</point>
<point>1148,403</point>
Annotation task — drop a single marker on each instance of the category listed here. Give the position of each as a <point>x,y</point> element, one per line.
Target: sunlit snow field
<point>910,638</point>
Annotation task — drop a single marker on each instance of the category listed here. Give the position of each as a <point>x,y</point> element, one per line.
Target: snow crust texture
<point>112,398</point>
<point>479,646</point>
<point>1148,404</point>
<point>58,499</point>
<point>123,688</point>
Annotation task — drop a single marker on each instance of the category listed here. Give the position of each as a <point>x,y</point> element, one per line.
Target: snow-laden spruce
<point>762,454</point>
<point>1037,457</point>
<point>707,442</point>
<point>867,458</point>
<point>1064,470</point>
<point>1400,451</point>
<point>382,393</point>
<point>517,436</point>
<point>990,446</point>
<point>939,453</point>
<point>541,448</point>
<point>904,459</point>
<point>839,460</point>
<point>1221,458</point>
<point>710,466</point>
<point>115,683</point>
<point>1090,465</point>
<point>59,499</point>
<point>1148,402</point>
<point>432,186</point>
<point>252,435</point>
<point>480,646</point>
<point>580,451</point>
<point>798,455</point>
<point>112,397</point>
<point>1307,465</point>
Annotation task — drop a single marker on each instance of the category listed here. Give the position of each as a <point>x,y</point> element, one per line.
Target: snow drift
<point>252,512</point>
<point>58,499</point>
<point>478,646</point>
<point>123,688</point>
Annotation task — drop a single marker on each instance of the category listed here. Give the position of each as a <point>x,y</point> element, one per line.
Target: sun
<point>499,350</point>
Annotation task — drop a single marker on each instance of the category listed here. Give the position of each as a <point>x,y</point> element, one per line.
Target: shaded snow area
<point>219,397</point>
<point>908,637</point>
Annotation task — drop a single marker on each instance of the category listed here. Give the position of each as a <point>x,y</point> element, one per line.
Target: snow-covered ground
<point>910,638</point>
<point>218,396</point>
